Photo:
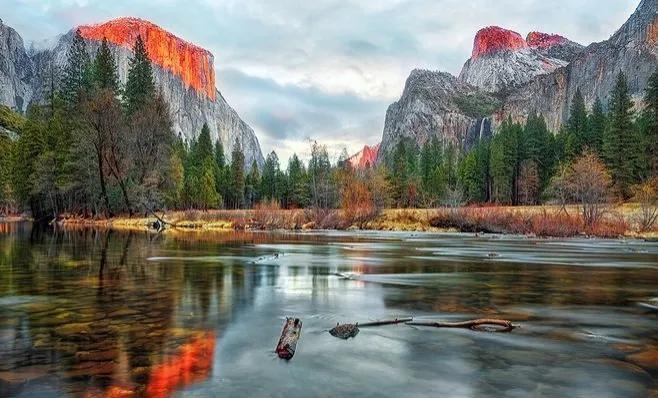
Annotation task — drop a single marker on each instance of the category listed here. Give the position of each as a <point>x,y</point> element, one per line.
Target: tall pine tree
<point>105,69</point>
<point>618,145</point>
<point>577,126</point>
<point>651,120</point>
<point>77,74</point>
<point>237,176</point>
<point>140,86</point>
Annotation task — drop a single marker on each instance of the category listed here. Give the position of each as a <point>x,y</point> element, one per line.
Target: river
<point>105,313</point>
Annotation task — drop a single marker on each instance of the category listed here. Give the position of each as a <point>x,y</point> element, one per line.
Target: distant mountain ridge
<point>365,158</point>
<point>183,72</point>
<point>508,75</point>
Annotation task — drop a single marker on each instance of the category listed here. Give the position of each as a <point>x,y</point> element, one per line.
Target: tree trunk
<point>102,182</point>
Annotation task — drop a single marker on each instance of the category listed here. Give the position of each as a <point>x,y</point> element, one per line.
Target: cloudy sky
<point>325,69</point>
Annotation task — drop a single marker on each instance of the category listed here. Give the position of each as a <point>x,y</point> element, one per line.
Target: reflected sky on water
<point>88,313</point>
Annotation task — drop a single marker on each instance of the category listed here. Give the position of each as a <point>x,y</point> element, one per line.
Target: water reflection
<point>100,313</point>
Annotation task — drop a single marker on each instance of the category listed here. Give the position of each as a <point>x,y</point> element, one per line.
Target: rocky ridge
<point>505,76</point>
<point>365,158</point>
<point>182,71</point>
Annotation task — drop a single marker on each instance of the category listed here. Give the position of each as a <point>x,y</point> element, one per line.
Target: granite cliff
<point>183,72</point>
<point>508,75</point>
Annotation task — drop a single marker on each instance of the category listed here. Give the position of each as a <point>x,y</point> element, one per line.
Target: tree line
<point>99,148</point>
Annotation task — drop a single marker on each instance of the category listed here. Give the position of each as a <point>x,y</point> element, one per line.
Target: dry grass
<point>544,221</point>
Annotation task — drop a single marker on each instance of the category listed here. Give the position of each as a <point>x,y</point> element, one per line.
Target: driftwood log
<point>480,325</point>
<point>350,330</point>
<point>290,334</point>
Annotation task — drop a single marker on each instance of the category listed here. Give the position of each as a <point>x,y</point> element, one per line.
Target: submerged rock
<point>345,331</point>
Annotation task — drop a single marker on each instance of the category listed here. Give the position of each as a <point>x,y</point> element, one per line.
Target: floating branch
<point>349,330</point>
<point>480,325</point>
<point>387,322</point>
<point>290,334</point>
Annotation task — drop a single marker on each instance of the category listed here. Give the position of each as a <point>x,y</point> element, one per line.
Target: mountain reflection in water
<point>107,314</point>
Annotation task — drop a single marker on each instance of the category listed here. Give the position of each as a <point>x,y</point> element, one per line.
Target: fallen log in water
<point>291,332</point>
<point>480,325</point>
<point>349,330</point>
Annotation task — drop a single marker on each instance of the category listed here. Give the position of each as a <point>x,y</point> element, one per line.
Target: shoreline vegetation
<point>550,221</point>
<point>99,152</point>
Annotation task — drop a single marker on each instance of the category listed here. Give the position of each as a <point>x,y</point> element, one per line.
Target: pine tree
<point>140,86</point>
<point>204,146</point>
<point>618,145</point>
<point>221,180</point>
<point>431,179</point>
<point>651,120</point>
<point>538,147</point>
<point>298,187</point>
<point>105,69</point>
<point>252,184</point>
<point>208,196</point>
<point>269,189</point>
<point>400,175</point>
<point>77,71</point>
<point>577,125</point>
<point>504,159</point>
<point>596,125</point>
<point>474,173</point>
<point>237,176</point>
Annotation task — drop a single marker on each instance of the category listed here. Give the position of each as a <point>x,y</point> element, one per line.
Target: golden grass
<point>530,220</point>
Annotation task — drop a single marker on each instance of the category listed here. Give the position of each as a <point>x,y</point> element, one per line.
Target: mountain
<point>502,58</point>
<point>365,158</point>
<point>16,70</point>
<point>508,75</point>
<point>633,49</point>
<point>554,46</point>
<point>183,72</point>
<point>436,104</point>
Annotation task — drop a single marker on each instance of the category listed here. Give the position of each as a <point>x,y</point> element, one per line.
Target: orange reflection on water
<point>191,364</point>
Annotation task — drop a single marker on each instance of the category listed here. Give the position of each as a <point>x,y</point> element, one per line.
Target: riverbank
<point>544,221</point>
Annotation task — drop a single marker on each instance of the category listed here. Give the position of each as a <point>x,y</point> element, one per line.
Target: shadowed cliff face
<point>192,64</point>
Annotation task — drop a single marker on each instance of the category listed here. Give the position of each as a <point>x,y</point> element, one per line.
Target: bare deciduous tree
<point>646,195</point>
<point>589,183</point>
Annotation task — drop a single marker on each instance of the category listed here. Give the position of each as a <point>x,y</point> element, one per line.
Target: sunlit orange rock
<point>493,39</point>
<point>191,63</point>
<point>191,364</point>
<point>366,157</point>
<point>544,40</point>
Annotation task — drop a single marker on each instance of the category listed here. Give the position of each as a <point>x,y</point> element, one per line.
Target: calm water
<point>97,313</point>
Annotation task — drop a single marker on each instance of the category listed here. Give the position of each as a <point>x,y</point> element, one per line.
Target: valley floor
<point>548,221</point>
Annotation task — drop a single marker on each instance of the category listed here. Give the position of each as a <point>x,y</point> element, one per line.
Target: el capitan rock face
<point>365,158</point>
<point>192,64</point>
<point>182,71</point>
<point>541,76</point>
<point>502,58</point>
